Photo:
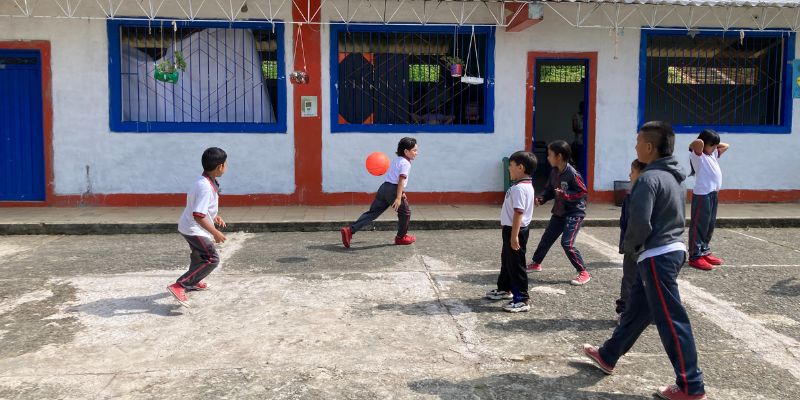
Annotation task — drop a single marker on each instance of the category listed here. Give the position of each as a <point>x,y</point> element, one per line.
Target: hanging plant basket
<point>456,70</point>
<point>472,80</point>
<point>168,71</point>
<point>299,77</point>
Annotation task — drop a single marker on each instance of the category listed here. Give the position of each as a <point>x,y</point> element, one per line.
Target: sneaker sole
<point>183,303</point>
<point>344,240</point>
<point>661,396</point>
<point>194,289</point>
<point>702,268</point>
<point>533,270</point>
<point>499,297</point>
<point>516,310</point>
<point>597,364</point>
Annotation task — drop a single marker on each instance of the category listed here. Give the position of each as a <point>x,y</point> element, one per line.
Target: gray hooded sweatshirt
<point>656,207</point>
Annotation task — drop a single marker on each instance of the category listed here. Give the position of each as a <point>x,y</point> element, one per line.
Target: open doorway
<point>560,112</point>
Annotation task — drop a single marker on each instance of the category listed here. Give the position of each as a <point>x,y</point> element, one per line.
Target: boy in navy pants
<point>654,234</point>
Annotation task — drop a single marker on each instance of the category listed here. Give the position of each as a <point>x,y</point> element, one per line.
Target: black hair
<point>638,165</point>
<point>213,157</point>
<point>661,135</point>
<point>562,148</point>
<point>709,137</point>
<point>526,159</point>
<point>406,143</point>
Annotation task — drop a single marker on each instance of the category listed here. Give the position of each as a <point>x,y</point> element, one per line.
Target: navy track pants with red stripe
<point>567,228</point>
<point>204,259</point>
<point>655,297</point>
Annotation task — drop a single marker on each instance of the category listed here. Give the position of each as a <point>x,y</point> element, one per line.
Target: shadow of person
<point>786,287</point>
<point>523,386</point>
<point>553,325</point>
<point>122,306</point>
<point>338,248</point>
<point>446,306</point>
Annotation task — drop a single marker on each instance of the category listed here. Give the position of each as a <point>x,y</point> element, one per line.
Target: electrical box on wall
<point>308,106</point>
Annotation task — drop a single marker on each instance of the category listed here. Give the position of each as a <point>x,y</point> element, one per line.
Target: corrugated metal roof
<point>715,3</point>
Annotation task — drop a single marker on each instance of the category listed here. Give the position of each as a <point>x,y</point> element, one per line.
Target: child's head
<point>636,169</point>
<point>558,153</point>
<point>710,140</point>
<point>521,164</point>
<point>407,147</point>
<point>214,161</point>
<point>655,140</point>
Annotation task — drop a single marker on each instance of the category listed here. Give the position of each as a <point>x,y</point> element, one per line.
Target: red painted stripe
<point>671,325</point>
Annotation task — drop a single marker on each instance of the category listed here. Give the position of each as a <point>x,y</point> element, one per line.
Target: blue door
<point>22,176</point>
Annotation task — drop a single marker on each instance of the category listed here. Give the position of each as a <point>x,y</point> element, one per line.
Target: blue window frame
<point>233,77</point>
<point>719,80</point>
<point>394,78</point>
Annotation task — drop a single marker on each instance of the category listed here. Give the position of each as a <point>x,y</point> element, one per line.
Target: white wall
<point>135,162</point>
<point>264,163</point>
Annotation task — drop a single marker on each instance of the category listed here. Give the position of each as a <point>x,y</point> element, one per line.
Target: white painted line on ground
<point>763,240</point>
<point>234,243</point>
<point>602,247</point>
<point>37,295</point>
<point>775,348</point>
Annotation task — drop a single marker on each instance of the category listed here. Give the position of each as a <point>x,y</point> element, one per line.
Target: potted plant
<point>455,65</point>
<point>167,71</point>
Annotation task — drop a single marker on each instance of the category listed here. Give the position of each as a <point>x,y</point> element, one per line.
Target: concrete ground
<point>295,315</point>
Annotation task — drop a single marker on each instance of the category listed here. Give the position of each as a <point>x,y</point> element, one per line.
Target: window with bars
<point>399,79</point>
<point>196,77</point>
<point>715,80</point>
<point>562,73</point>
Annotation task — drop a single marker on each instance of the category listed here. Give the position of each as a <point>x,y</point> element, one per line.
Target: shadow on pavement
<point>116,307</point>
<point>554,325</point>
<point>786,287</point>
<point>446,306</point>
<point>338,248</point>
<point>522,386</point>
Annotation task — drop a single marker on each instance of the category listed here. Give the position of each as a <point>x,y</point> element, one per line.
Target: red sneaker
<point>407,239</point>
<point>347,235</point>
<point>701,264</point>
<point>593,354</point>
<point>180,294</point>
<point>534,267</point>
<point>673,392</point>
<point>199,286</point>
<point>713,260</point>
<point>582,279</point>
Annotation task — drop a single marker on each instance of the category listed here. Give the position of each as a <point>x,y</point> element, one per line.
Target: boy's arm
<point>516,223</point>
<point>399,198</point>
<point>697,146</point>
<point>640,210</point>
<point>206,223</point>
<point>721,148</point>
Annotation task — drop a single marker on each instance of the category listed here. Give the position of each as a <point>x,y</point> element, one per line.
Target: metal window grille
<point>562,73</point>
<point>230,77</point>
<point>715,80</point>
<point>404,78</point>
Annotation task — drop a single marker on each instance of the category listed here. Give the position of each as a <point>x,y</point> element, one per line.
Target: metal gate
<point>22,175</point>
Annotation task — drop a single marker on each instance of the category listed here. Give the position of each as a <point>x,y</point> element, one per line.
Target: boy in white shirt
<point>197,225</point>
<point>515,216</point>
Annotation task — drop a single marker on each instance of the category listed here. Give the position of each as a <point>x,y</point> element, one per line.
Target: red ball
<point>377,163</point>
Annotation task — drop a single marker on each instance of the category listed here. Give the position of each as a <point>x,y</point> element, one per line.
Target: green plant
<point>179,64</point>
<point>452,60</point>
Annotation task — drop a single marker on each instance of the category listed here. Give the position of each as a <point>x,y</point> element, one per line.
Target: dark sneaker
<point>534,267</point>
<point>405,240</point>
<point>496,294</point>
<point>180,294</point>
<point>673,392</point>
<point>701,264</point>
<point>713,260</point>
<point>520,306</point>
<point>593,354</point>
<point>347,235</point>
<point>199,286</point>
<point>582,279</point>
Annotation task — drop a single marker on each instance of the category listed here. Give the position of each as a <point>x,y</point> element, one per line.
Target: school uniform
<point>202,201</point>
<point>654,235</point>
<point>513,276</point>
<point>628,260</point>
<point>387,193</point>
<point>568,211</point>
<point>708,181</point>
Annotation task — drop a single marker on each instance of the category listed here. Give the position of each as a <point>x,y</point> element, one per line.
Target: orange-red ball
<point>377,163</point>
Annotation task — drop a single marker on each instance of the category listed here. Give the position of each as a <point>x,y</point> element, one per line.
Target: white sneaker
<point>495,294</point>
<point>517,307</point>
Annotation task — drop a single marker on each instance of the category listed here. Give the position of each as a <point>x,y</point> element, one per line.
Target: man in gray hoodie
<point>654,236</point>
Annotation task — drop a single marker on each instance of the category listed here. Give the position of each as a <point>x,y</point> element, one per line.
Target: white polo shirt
<point>400,166</point>
<point>519,198</point>
<point>708,175</point>
<point>202,200</point>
